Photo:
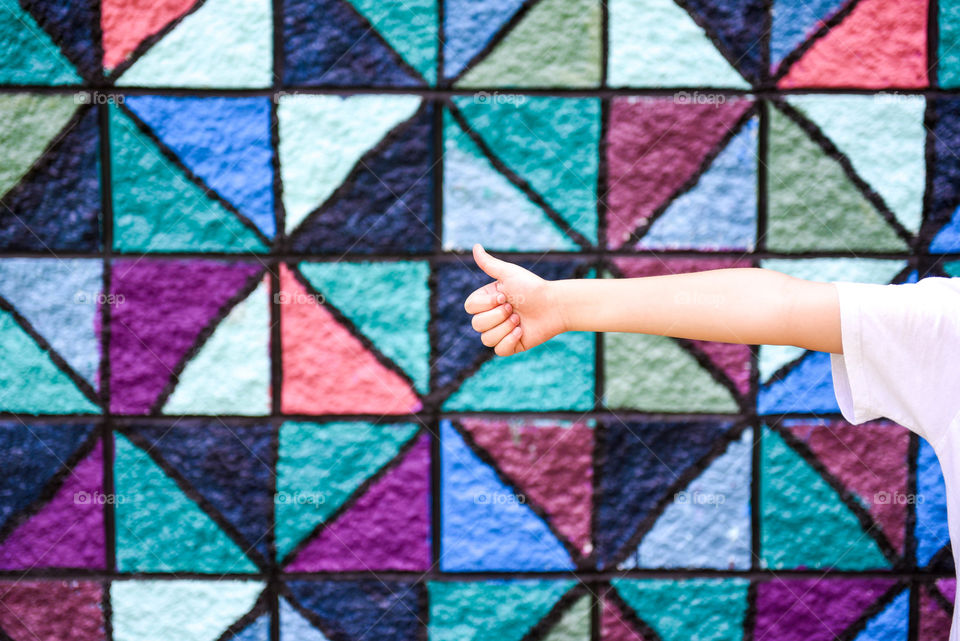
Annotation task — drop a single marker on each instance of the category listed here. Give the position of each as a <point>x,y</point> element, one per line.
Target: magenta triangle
<point>733,359</point>
<point>614,626</point>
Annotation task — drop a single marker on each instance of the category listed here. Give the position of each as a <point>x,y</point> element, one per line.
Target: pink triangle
<point>326,369</point>
<point>388,528</point>
<point>550,463</point>
<point>52,611</point>
<point>614,626</point>
<point>871,460</point>
<point>127,23</point>
<point>732,358</point>
<point>882,43</point>
<point>67,532</point>
<point>949,589</point>
<point>934,620</point>
<point>654,146</point>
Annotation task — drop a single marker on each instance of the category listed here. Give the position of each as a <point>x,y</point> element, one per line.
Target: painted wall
<point>241,398</point>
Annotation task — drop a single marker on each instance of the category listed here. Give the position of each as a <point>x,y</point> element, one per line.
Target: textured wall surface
<point>240,397</point>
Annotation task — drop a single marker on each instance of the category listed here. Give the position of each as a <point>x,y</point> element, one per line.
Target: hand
<point>517,311</point>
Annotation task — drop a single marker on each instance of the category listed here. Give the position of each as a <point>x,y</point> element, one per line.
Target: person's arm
<point>753,306</point>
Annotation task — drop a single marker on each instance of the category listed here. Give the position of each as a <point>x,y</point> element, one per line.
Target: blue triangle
<point>468,25</point>
<point>259,630</point>
<point>948,238</point>
<point>808,387</point>
<point>33,456</point>
<point>56,206</point>
<point>719,212</point>
<point>386,208</point>
<point>74,26</point>
<point>643,460</point>
<point>890,623</point>
<point>931,529</point>
<point>796,20</point>
<point>483,526</point>
<point>326,42</point>
<point>224,141</point>
<point>294,627</point>
<point>738,25</point>
<point>363,609</point>
<point>230,466</point>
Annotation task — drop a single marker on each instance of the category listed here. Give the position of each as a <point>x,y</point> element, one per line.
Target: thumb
<point>493,267</point>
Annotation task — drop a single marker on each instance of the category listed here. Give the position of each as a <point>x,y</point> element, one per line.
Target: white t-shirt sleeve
<point>901,345</point>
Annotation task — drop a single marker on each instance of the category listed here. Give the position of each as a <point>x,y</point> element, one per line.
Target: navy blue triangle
<point>807,387</point>
<point>366,609</point>
<point>642,462</point>
<point>74,26</point>
<point>738,25</point>
<point>385,206</point>
<point>32,456</point>
<point>946,164</point>
<point>57,204</point>
<point>327,42</point>
<point>232,467</point>
<point>458,344</point>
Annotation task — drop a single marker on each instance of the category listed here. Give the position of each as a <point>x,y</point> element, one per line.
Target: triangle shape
<point>644,459</point>
<point>32,123</point>
<point>934,620</point>
<point>720,210</point>
<point>947,238</point>
<point>231,467</point>
<point>29,55</point>
<point>74,28</point>
<point>58,297</point>
<point>125,25</point>
<point>552,465</point>
<point>323,137</point>
<point>813,203</point>
<point>224,141</point>
<point>294,626</point>
<point>931,531</point>
<point>809,529</point>
<point>813,609</point>
<point>653,373</point>
<point>948,587</point>
<point>485,526</point>
<point>571,61</point>
<point>469,25</point>
<point>890,623</point>
<point>393,290</point>
<point>157,208</point>
<point>495,610</point>
<point>205,609</point>
<point>167,305</point>
<point>329,460</point>
<point>259,630</point>
<point>550,142</point>
<point>366,536</point>
<point>574,624</point>
<point>773,357</point>
<point>732,359</point>
<point>807,387</point>
<point>655,43</point>
<point>887,39</point>
<point>410,26</point>
<point>233,38</point>
<point>481,205</point>
<point>885,141</point>
<point>708,525</point>
<point>67,532</point>
<point>644,136</point>
<point>231,372</point>
<point>326,369</point>
<point>794,21</point>
<point>614,626</point>
<point>162,530</point>
<point>558,374</point>
<point>739,27</point>
<point>71,610</point>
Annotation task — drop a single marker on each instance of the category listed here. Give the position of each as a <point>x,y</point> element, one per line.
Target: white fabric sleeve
<point>900,343</point>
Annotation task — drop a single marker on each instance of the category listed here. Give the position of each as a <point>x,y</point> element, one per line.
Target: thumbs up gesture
<point>515,312</point>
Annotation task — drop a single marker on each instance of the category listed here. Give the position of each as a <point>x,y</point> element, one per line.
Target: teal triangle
<point>557,375</point>
<point>393,312</point>
<point>231,372</point>
<point>481,206</point>
<point>294,627</point>
<point>29,56</point>
<point>410,26</point>
<point>773,357</point>
<point>160,529</point>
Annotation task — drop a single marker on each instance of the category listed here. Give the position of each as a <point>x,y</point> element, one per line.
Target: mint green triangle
<point>702,609</point>
<point>574,625</point>
<point>813,205</point>
<point>655,43</point>
<point>555,375</point>
<point>410,27</point>
<point>155,206</point>
<point>30,124</point>
<point>885,140</point>
<point>323,464</point>
<point>803,521</point>
<point>29,56</point>
<point>30,381</point>
<point>552,143</point>
<point>225,43</point>
<point>323,137</point>
<point>495,610</point>
<point>653,373</point>
<point>159,529</point>
<point>231,372</point>
<point>389,302</point>
<point>532,54</point>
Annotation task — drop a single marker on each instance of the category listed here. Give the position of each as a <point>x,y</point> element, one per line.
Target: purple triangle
<point>68,531</point>
<point>159,309</point>
<point>388,528</point>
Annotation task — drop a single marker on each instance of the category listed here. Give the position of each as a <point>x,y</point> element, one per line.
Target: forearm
<point>752,306</point>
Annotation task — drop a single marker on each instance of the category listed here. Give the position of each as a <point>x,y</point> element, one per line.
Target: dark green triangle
<point>30,123</point>
<point>574,624</point>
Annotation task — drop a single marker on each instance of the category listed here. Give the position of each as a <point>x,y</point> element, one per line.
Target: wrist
<point>557,300</point>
